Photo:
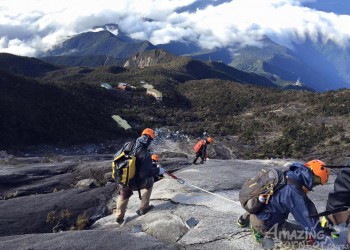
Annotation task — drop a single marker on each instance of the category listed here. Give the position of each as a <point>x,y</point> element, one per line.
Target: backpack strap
<point>139,191</point>
<point>129,148</point>
<point>281,182</point>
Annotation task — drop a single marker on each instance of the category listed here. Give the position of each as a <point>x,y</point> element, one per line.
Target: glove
<point>324,222</point>
<point>161,171</point>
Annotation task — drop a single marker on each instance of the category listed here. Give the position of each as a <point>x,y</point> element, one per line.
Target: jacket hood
<point>302,174</point>
<point>144,139</point>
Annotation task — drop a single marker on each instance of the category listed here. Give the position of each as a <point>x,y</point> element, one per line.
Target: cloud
<point>33,26</point>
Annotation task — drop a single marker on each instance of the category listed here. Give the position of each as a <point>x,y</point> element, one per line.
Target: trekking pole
<point>181,181</point>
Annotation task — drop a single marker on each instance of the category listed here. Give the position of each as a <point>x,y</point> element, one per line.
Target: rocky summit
<point>67,202</point>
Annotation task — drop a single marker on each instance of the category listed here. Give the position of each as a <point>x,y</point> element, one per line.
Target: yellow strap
<point>323,221</point>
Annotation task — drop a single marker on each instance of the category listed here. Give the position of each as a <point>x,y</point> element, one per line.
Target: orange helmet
<point>155,157</point>
<point>149,132</point>
<point>319,169</point>
<point>210,140</point>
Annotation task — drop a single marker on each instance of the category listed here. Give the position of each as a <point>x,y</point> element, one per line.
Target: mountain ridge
<point>280,64</point>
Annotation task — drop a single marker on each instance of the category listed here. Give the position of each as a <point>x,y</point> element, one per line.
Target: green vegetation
<point>68,106</point>
<point>82,222</point>
<point>63,221</point>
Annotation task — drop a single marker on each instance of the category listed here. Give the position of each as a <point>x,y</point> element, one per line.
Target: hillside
<point>319,66</point>
<point>35,112</point>
<point>27,66</point>
<point>68,106</point>
<point>333,61</point>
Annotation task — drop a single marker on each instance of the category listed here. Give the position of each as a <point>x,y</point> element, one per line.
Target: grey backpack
<point>264,184</point>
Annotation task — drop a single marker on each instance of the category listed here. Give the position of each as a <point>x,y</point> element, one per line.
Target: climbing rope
<point>181,181</point>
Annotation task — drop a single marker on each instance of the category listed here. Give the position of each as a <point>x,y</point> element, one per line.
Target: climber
<point>155,163</point>
<point>200,150</point>
<point>290,198</point>
<point>144,177</point>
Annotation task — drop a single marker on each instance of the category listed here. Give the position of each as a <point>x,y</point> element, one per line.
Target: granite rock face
<point>208,194</point>
<point>41,196</point>
<point>199,211</point>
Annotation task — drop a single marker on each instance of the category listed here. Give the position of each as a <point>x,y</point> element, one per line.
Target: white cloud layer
<point>30,27</point>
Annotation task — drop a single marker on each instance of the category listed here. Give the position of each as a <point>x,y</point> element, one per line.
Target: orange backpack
<point>198,146</point>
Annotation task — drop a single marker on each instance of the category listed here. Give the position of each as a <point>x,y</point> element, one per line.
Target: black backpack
<point>264,184</point>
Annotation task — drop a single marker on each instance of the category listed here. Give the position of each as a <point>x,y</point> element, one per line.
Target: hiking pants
<point>339,218</point>
<point>201,155</point>
<point>126,192</point>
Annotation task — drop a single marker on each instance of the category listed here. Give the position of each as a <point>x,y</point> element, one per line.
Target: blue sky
<point>340,7</point>
<point>30,27</point>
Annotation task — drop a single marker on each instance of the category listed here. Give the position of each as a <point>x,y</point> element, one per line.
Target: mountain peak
<point>99,43</point>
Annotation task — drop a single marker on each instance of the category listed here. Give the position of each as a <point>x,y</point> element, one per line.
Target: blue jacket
<point>292,199</point>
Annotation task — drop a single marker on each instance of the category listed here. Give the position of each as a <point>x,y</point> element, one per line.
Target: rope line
<point>181,181</point>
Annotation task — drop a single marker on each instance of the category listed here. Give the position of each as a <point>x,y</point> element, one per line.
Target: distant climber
<point>200,149</point>
<point>155,163</point>
<point>144,177</point>
<point>290,198</point>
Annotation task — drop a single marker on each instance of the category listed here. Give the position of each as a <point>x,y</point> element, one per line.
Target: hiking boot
<point>144,211</point>
<point>119,221</point>
<point>256,234</point>
<point>241,222</point>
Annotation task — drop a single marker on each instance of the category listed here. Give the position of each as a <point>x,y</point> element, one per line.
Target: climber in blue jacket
<point>291,198</point>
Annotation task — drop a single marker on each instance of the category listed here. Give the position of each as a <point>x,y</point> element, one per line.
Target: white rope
<point>181,181</point>
<point>219,196</point>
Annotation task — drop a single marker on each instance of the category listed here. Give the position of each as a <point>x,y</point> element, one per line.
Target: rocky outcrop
<point>149,58</point>
<point>62,210</point>
<point>39,195</point>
